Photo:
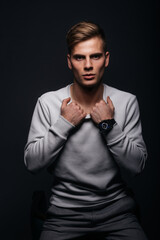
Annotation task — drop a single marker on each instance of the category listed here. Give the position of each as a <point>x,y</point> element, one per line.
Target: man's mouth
<point>89,76</point>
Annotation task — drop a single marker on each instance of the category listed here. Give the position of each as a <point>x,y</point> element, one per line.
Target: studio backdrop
<point>33,61</point>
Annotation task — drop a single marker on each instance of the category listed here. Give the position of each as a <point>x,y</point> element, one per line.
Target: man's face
<point>88,61</point>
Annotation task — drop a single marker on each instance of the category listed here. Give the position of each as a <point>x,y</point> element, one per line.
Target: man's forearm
<point>41,151</point>
<point>128,153</point>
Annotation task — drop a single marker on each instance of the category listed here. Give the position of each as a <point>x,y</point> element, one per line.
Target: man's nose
<point>88,64</point>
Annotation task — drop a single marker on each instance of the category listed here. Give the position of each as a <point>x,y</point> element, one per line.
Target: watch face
<point>104,125</point>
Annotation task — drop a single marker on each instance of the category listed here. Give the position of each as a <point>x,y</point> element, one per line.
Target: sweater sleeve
<point>127,145</point>
<point>45,141</point>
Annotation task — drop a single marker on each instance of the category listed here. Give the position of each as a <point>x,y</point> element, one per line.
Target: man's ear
<point>107,54</point>
<point>69,61</point>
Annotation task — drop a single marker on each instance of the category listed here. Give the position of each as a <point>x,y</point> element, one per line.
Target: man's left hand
<point>102,111</point>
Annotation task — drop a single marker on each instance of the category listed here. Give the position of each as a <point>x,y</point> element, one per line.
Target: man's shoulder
<point>117,93</point>
<point>55,95</point>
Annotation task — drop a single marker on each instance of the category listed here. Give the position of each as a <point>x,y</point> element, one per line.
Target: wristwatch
<point>106,125</point>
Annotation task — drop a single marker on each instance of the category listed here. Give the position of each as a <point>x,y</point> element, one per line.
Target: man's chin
<point>90,84</point>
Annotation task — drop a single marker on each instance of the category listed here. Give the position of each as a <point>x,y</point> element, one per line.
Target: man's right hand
<point>72,112</point>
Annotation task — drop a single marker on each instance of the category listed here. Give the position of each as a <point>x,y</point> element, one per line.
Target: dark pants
<point>114,221</point>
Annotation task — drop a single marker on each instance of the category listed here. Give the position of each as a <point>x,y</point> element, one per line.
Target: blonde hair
<point>83,31</point>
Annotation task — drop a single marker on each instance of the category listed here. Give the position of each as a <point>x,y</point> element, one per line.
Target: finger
<point>84,115</point>
<point>82,111</point>
<point>95,117</point>
<point>74,103</point>
<point>109,101</point>
<point>65,102</point>
<point>78,107</point>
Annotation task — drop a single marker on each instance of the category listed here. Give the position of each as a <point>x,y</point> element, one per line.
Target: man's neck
<point>86,97</point>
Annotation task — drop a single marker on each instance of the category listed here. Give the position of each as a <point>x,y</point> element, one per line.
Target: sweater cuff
<point>115,135</point>
<point>62,127</point>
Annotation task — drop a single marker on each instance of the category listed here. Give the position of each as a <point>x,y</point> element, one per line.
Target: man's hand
<point>72,112</point>
<point>102,111</point>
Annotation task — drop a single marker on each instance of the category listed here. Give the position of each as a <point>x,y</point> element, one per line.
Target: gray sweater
<point>85,165</point>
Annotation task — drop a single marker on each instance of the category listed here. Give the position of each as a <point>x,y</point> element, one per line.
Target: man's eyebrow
<point>78,55</point>
<point>97,54</point>
<point>93,54</point>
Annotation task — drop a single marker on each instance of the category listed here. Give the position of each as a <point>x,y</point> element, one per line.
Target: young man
<point>85,133</point>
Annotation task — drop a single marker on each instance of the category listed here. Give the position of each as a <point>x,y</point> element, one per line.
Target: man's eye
<point>97,56</point>
<point>79,58</point>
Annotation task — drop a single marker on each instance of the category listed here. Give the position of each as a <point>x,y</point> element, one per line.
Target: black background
<point>33,61</point>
